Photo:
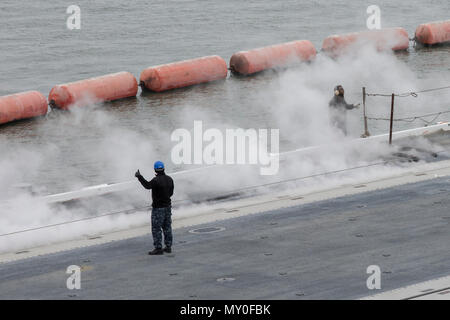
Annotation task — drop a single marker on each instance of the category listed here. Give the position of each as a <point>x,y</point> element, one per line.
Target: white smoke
<point>294,101</point>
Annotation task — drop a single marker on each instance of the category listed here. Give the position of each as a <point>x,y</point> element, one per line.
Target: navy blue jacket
<point>162,189</point>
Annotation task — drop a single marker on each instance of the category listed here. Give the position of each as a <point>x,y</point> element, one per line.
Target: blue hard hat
<point>158,166</point>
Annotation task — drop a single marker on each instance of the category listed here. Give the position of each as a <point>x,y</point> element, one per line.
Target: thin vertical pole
<point>366,130</point>
<point>392,119</point>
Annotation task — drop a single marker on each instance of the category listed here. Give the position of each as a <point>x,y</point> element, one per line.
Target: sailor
<point>162,189</point>
<point>338,109</point>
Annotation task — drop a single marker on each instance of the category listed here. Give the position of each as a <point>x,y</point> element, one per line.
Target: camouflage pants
<point>162,221</point>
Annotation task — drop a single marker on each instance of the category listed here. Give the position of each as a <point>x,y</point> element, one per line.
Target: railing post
<point>366,130</point>
<point>392,119</point>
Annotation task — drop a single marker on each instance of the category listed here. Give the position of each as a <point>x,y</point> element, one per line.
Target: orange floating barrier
<point>433,33</point>
<point>22,105</point>
<point>279,55</point>
<point>183,73</point>
<point>105,88</point>
<point>383,39</point>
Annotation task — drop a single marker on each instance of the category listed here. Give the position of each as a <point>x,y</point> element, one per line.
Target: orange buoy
<point>433,32</point>
<point>279,55</point>
<point>22,105</point>
<point>183,73</point>
<point>383,39</point>
<point>105,88</point>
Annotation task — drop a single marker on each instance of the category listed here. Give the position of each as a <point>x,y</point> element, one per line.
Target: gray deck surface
<point>314,251</point>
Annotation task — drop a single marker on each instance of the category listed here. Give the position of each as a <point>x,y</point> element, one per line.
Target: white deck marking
<point>437,289</point>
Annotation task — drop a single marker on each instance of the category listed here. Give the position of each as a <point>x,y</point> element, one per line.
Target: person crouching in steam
<point>338,109</point>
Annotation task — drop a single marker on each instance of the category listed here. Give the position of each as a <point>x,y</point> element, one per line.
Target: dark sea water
<point>64,151</point>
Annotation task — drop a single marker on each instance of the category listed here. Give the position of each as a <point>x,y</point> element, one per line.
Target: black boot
<point>168,249</point>
<point>156,251</point>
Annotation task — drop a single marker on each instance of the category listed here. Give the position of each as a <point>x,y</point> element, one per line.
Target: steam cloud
<point>294,100</point>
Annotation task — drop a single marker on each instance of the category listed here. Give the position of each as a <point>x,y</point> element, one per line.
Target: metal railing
<point>391,119</point>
